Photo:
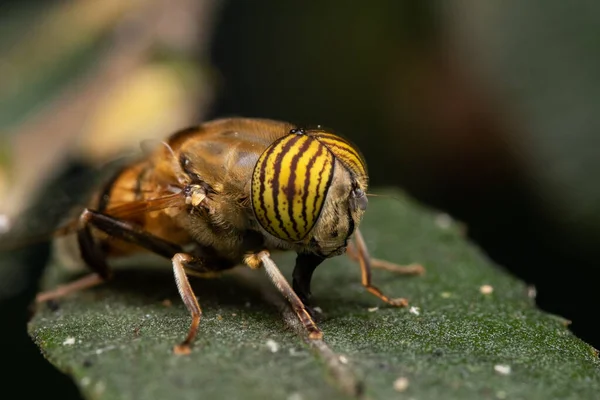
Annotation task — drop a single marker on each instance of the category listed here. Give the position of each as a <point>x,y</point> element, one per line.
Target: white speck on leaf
<point>272,345</point>
<point>486,289</point>
<point>372,309</point>
<point>343,359</point>
<point>69,341</point>
<point>295,353</point>
<point>318,309</point>
<point>401,384</point>
<point>105,349</point>
<point>414,310</point>
<point>502,369</point>
<point>443,221</point>
<point>295,396</point>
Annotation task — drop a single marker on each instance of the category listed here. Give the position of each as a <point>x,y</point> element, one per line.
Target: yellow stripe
<point>266,200</point>
<point>318,190</point>
<point>269,194</point>
<point>284,177</point>
<point>345,152</point>
<point>299,205</point>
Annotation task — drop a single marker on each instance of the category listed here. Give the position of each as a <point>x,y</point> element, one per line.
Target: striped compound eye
<point>291,179</point>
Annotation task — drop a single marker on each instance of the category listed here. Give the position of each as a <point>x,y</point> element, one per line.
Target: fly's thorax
<point>308,190</point>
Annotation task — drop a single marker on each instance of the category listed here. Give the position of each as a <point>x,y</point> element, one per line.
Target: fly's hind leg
<point>361,255</point>
<point>94,258</point>
<point>86,282</point>
<point>411,269</point>
<point>132,233</point>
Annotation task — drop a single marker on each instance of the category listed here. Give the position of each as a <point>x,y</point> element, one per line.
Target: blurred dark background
<point>485,110</point>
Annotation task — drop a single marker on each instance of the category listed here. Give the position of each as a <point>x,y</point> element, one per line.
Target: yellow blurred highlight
<point>151,102</point>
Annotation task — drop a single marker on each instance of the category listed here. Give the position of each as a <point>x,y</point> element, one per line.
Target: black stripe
<point>290,190</point>
<point>108,186</point>
<point>318,212</point>
<point>329,136</point>
<point>263,178</point>
<point>277,165</point>
<point>309,166</point>
<point>364,167</point>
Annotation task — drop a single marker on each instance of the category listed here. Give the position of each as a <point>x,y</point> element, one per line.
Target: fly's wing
<point>63,196</point>
<point>56,210</point>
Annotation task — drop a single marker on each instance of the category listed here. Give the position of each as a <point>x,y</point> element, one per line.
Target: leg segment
<point>134,234</point>
<point>277,278</point>
<point>302,275</point>
<point>90,251</point>
<point>129,232</point>
<point>411,269</point>
<point>83,283</point>
<point>189,299</point>
<point>92,254</point>
<point>365,265</point>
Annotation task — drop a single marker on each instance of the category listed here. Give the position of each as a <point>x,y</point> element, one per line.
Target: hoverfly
<point>226,193</point>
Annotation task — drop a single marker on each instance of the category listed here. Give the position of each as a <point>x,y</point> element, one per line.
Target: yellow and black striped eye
<point>346,153</point>
<point>292,177</point>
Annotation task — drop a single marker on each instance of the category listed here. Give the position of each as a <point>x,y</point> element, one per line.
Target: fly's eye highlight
<point>289,185</point>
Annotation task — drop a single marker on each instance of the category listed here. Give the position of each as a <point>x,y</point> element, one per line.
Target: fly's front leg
<point>302,276</point>
<point>363,258</point>
<point>263,258</point>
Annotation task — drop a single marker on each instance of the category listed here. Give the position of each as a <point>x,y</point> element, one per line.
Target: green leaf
<point>456,343</point>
